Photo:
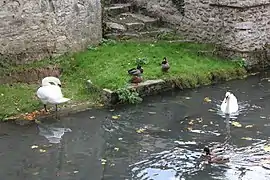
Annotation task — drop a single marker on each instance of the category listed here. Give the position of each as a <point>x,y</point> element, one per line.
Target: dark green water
<point>166,148</point>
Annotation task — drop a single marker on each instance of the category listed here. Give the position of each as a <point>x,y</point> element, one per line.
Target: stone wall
<point>31,30</point>
<point>239,25</point>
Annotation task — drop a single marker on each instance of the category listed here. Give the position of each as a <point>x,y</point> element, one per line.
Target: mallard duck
<point>50,92</point>
<point>136,79</point>
<point>136,71</point>
<point>165,65</point>
<point>229,104</point>
<point>214,158</point>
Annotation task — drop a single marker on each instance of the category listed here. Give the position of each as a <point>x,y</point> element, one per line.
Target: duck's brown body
<point>165,65</point>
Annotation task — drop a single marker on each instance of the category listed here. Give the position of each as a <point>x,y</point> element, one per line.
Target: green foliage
<point>128,96</point>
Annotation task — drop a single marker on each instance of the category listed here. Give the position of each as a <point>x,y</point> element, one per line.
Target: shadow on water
<point>161,139</point>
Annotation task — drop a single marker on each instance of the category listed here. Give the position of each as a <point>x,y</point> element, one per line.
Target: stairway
<point>121,21</point>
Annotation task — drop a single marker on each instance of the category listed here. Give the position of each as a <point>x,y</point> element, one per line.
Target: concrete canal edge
<point>153,87</point>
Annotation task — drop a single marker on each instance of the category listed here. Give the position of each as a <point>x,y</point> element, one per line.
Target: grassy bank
<point>106,66</point>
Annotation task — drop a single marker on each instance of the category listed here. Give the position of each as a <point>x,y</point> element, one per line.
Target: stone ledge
<point>146,88</point>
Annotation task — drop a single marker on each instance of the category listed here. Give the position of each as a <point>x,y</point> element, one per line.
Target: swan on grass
<point>51,80</point>
<point>229,104</point>
<point>50,92</point>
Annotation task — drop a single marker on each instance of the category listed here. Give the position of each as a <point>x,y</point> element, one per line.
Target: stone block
<point>116,9</point>
<point>115,27</point>
<point>135,26</point>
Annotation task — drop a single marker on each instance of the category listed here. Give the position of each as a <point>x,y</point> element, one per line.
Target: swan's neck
<point>228,106</point>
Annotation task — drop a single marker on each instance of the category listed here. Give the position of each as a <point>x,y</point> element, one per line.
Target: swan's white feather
<point>51,94</point>
<point>231,102</point>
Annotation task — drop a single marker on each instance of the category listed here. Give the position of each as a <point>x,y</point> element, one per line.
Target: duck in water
<point>213,157</point>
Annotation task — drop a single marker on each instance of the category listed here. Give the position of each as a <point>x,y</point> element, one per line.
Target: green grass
<point>106,66</point>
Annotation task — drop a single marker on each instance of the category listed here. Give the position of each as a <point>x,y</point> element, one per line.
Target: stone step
<point>155,33</point>
<point>148,21</point>
<point>134,22</point>
<point>113,27</point>
<point>115,9</point>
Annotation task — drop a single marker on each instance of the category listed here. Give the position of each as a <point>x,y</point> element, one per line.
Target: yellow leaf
<point>42,150</point>
<point>247,138</point>
<point>103,161</point>
<point>141,130</point>
<point>115,117</point>
<point>207,99</point>
<point>266,148</point>
<point>236,124</point>
<point>249,126</point>
<point>34,147</point>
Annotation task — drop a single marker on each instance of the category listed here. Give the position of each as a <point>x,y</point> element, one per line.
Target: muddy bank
<point>29,75</point>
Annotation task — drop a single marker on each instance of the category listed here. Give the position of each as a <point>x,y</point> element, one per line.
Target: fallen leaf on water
<point>35,173</point>
<point>112,165</point>
<point>207,99</point>
<point>116,149</point>
<point>115,117</point>
<point>236,124</point>
<point>34,147</point>
<point>211,110</point>
<point>249,126</point>
<point>2,94</point>
<point>103,161</point>
<point>141,130</point>
<point>191,122</point>
<point>120,139</point>
<point>111,110</point>
<point>262,117</point>
<point>211,122</point>
<point>92,117</point>
<point>217,125</point>
<point>187,97</point>
<point>42,150</point>
<point>266,148</point>
<point>189,128</point>
<point>75,172</point>
<point>152,113</point>
<point>247,138</point>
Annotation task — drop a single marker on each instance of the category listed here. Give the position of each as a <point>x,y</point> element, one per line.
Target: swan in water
<point>229,104</point>
<point>50,92</point>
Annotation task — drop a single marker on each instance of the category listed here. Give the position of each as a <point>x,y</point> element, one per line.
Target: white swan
<point>50,80</point>
<point>50,92</point>
<point>229,104</point>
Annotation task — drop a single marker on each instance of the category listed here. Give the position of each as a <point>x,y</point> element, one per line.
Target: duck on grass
<point>106,66</point>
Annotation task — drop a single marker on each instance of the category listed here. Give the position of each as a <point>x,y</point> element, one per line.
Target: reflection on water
<point>53,134</point>
<point>173,150</point>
